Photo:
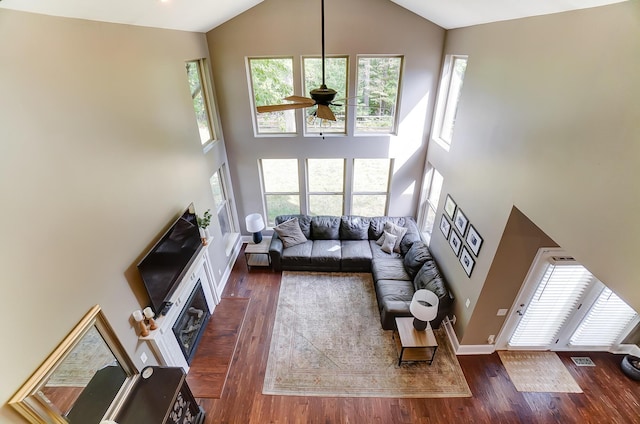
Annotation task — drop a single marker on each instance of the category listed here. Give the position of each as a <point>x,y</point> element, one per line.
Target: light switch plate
<point>502,312</point>
<point>467,303</point>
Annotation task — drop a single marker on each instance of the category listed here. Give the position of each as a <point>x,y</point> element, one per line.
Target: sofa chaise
<point>388,247</point>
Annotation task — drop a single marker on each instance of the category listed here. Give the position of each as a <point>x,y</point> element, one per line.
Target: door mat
<point>538,372</point>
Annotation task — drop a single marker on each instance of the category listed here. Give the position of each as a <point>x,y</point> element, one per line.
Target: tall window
<point>221,201</point>
<point>272,81</point>
<point>280,184</point>
<point>325,179</point>
<point>449,97</point>
<point>336,78</point>
<point>377,91</point>
<point>433,183</point>
<point>370,186</point>
<point>202,104</point>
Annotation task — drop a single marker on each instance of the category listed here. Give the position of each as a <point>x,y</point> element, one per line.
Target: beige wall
<point>99,152</point>
<point>291,27</point>
<point>549,121</point>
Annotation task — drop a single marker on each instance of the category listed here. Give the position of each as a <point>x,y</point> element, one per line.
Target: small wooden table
<point>258,254</point>
<point>414,345</point>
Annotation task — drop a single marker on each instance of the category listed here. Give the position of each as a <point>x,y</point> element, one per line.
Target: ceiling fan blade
<point>286,106</point>
<point>325,113</point>
<point>300,99</point>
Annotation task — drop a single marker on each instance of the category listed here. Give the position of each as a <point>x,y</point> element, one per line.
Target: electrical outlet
<point>502,312</point>
<point>143,357</point>
<point>467,303</point>
<point>219,272</point>
<point>453,320</point>
<point>491,339</point>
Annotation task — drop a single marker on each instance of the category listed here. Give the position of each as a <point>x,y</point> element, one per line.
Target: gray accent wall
<point>292,28</point>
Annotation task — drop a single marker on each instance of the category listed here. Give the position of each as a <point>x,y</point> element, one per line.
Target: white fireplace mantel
<point>162,340</point>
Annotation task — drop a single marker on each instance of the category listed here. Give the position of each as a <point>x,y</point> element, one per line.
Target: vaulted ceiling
<point>204,15</point>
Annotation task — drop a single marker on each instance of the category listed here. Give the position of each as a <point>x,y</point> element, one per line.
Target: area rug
<point>538,372</point>
<point>327,341</point>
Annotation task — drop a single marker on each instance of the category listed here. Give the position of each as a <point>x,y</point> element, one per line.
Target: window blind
<point>603,326</point>
<point>558,294</point>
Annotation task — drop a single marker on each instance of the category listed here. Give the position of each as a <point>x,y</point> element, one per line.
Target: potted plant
<point>203,224</point>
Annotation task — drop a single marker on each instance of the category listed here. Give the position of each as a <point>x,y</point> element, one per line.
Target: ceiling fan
<point>322,97</point>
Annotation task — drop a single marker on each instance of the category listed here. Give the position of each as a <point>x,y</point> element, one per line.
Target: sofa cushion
<point>326,254</point>
<point>389,269</point>
<point>394,297</point>
<point>354,228</point>
<point>415,257</point>
<point>376,252</point>
<point>429,278</point>
<point>290,233</point>
<point>325,228</point>
<point>356,255</point>
<point>300,253</point>
<point>303,220</point>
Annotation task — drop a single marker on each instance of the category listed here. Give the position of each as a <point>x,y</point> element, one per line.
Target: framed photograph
<point>461,221</point>
<point>445,226</point>
<point>474,241</point>
<point>467,261</point>
<point>455,242</point>
<point>450,206</point>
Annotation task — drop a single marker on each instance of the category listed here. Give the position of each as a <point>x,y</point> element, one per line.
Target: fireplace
<point>191,322</point>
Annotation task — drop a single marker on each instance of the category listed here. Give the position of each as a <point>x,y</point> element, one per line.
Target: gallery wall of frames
<point>464,239</point>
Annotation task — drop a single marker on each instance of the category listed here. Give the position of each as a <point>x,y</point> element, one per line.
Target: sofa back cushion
<point>416,256</point>
<point>303,220</point>
<point>354,228</point>
<point>325,227</point>
<point>429,278</point>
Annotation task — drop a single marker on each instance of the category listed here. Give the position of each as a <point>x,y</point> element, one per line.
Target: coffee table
<point>414,345</point>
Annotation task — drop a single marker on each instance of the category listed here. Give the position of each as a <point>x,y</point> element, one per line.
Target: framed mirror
<point>85,380</point>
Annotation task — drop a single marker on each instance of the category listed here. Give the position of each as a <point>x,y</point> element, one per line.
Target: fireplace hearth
<point>192,321</point>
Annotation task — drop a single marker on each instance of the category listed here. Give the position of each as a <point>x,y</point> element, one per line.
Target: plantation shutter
<point>556,297</point>
<point>603,326</point>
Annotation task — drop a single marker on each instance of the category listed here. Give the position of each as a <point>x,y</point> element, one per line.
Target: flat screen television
<point>165,264</point>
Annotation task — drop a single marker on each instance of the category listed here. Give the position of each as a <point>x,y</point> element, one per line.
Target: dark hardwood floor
<point>609,396</point>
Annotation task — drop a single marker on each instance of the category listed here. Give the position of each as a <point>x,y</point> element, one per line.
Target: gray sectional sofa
<point>351,244</point>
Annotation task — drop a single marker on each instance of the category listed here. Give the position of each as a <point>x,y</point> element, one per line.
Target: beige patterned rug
<point>327,341</point>
<point>538,372</point>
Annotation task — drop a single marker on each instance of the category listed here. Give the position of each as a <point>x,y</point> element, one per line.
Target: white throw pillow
<point>396,230</point>
<point>389,242</point>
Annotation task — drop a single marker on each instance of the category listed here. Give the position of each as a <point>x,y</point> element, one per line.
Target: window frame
<point>305,130</point>
<point>265,193</point>
<point>310,193</point>
<point>354,192</point>
<point>225,203</point>
<point>444,98</point>
<point>398,97</point>
<point>426,204</point>
<point>254,113</point>
<point>208,98</point>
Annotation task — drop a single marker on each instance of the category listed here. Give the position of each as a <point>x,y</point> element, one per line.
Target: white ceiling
<point>204,15</point>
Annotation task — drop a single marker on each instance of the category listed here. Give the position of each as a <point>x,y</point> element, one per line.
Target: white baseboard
<point>465,349</point>
<point>627,349</point>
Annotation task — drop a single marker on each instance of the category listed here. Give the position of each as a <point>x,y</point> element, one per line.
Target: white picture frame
<point>455,242</point>
<point>467,261</point>
<point>474,241</point>
<point>461,222</point>
<point>445,226</point>
<point>450,206</point>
